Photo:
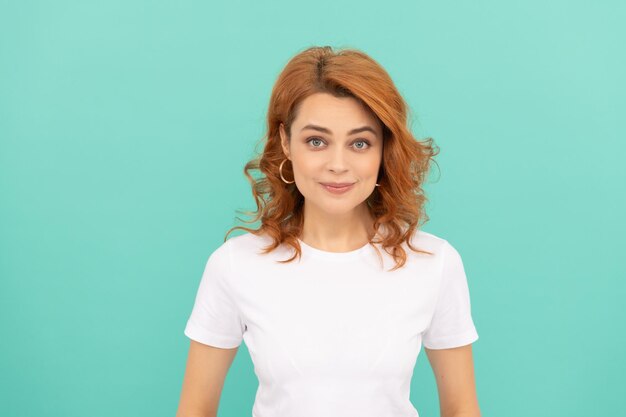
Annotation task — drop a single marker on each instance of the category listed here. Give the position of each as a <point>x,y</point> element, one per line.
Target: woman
<point>337,290</point>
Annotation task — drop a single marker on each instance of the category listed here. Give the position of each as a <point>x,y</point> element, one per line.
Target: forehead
<point>343,113</point>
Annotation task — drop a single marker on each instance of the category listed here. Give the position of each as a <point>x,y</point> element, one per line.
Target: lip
<point>337,188</point>
<point>337,184</point>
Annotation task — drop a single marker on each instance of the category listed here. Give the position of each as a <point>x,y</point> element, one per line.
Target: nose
<point>337,160</point>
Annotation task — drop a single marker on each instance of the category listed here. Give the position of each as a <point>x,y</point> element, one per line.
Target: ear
<point>283,140</point>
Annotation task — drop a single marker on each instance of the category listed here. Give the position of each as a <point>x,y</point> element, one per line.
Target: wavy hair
<point>397,204</point>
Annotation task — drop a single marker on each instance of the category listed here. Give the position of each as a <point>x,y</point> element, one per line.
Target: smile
<point>337,190</point>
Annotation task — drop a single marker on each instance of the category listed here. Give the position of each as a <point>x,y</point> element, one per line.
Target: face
<point>334,140</point>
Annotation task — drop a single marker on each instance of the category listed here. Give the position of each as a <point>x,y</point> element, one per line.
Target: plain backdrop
<point>124,128</point>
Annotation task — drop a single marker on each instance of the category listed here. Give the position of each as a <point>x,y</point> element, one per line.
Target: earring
<point>378,185</point>
<point>280,170</point>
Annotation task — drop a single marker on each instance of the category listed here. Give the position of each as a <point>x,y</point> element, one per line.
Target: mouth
<point>337,188</point>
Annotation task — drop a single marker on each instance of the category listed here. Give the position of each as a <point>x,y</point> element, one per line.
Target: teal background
<point>124,128</point>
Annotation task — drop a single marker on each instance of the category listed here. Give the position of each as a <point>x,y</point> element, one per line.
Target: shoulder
<point>444,252</point>
<point>448,258</point>
<point>429,241</point>
<point>235,250</point>
<point>248,245</point>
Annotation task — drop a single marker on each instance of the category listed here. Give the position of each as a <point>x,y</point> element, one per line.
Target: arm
<point>205,373</point>
<point>454,374</point>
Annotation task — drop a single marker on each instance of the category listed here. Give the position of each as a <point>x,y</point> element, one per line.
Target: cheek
<point>307,167</point>
<point>368,167</point>
<point>304,173</point>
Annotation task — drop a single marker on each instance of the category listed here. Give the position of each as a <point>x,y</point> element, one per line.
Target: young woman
<point>337,290</point>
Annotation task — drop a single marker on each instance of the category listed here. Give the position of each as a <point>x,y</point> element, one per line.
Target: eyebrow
<point>325,130</point>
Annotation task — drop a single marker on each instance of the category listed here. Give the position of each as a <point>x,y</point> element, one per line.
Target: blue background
<point>124,128</point>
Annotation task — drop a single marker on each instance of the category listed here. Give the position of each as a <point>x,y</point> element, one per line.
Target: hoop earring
<point>280,170</point>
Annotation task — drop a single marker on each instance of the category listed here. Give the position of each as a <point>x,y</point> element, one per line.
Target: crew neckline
<point>332,255</point>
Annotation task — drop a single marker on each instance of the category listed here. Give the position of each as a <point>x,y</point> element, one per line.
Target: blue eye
<point>360,148</point>
<point>312,139</point>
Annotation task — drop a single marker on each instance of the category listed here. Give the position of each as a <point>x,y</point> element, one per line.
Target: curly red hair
<point>397,204</point>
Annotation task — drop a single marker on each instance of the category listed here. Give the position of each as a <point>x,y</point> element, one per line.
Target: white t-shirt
<point>335,334</point>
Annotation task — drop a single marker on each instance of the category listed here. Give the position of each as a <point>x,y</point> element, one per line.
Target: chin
<point>338,208</point>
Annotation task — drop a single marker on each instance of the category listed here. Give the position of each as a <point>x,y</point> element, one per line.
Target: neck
<point>337,232</point>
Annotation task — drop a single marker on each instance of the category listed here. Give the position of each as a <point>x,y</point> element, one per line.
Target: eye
<point>362,141</point>
<point>314,139</point>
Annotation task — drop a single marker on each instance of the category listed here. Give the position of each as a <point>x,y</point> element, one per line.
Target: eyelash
<point>360,140</point>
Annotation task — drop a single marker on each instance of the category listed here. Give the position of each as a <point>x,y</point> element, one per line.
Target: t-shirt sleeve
<point>215,319</point>
<point>452,324</point>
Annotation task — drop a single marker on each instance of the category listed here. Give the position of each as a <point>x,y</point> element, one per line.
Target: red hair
<point>397,204</point>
